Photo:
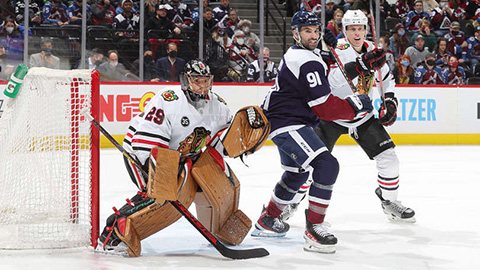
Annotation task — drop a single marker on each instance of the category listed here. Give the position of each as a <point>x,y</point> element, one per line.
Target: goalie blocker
<point>208,181</point>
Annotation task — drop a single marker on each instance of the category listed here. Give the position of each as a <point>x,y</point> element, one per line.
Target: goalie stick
<point>236,254</point>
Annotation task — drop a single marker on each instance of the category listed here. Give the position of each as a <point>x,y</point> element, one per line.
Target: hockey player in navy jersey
<point>368,131</point>
<point>300,97</point>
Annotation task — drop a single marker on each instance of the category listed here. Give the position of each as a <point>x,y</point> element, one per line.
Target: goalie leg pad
<point>162,178</point>
<point>219,198</point>
<point>235,228</point>
<point>247,133</point>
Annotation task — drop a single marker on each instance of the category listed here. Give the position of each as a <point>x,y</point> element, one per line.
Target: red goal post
<point>49,162</point>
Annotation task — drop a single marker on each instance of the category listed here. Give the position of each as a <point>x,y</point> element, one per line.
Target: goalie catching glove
<point>387,113</point>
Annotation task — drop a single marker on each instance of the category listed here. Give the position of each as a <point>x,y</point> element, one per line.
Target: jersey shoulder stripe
<point>295,58</point>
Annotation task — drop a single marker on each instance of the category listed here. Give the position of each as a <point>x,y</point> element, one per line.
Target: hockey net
<point>49,159</point>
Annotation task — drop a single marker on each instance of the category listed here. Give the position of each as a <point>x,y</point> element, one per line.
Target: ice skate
<point>318,238</point>
<point>289,211</point>
<point>268,226</point>
<point>395,211</point>
<point>111,244</point>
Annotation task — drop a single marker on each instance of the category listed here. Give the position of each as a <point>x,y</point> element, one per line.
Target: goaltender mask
<point>181,140</point>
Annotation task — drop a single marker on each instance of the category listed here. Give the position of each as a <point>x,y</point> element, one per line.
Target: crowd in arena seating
<point>428,42</point>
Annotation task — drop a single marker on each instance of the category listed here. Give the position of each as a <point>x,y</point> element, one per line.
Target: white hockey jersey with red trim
<point>169,119</point>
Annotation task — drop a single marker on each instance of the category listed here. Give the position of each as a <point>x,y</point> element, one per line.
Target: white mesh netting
<point>45,162</point>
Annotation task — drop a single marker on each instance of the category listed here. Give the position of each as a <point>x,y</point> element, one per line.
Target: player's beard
<point>310,44</point>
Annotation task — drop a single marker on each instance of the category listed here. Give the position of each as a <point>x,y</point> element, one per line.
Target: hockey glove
<point>387,113</point>
<point>371,61</point>
<point>361,104</point>
<point>329,38</point>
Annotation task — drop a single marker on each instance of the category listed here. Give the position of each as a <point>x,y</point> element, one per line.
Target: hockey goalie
<point>182,138</point>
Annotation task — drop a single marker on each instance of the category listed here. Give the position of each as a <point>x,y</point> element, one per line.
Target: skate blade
<point>120,250</point>
<point>401,220</point>
<point>311,246</point>
<point>266,233</point>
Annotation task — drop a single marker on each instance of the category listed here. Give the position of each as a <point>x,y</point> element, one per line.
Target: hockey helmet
<point>304,18</point>
<point>197,80</point>
<point>354,17</point>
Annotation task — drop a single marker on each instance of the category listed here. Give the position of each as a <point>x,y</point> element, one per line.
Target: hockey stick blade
<point>236,254</point>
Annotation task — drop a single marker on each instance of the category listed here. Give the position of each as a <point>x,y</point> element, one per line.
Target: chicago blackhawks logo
<point>343,46</point>
<point>169,95</point>
<point>194,142</point>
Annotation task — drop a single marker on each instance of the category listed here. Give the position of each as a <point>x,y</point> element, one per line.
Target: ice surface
<point>441,183</point>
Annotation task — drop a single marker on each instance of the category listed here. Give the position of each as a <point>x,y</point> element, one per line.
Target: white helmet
<point>354,17</point>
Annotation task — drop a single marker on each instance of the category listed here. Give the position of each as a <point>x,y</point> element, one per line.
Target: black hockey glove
<point>329,38</point>
<point>387,113</point>
<point>371,61</point>
<point>361,104</point>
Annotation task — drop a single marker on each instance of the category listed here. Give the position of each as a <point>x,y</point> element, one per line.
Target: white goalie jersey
<point>169,118</point>
<point>364,84</point>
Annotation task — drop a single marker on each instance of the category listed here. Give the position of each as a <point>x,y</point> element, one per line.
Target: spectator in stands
<point>208,22</point>
<point>428,72</point>
<point>458,9</point>
<point>429,5</point>
<point>335,24</point>
<point>112,70</point>
<point>150,9</point>
<point>11,38</point>
<point>240,56</point>
<point>34,11</point>
<point>150,71</point>
<point>127,20</point>
<point>428,36</point>
<point>398,41</point>
<point>222,12</point>
<point>103,13</point>
<point>329,10</point>
<point>169,67</point>
<point>385,43</point>
<point>45,58</point>
<point>160,25</point>
<point>74,13</point>
<point>220,36</point>
<point>441,53</point>
<point>457,44</point>
<point>231,24</point>
<point>415,16</point>
<point>251,39</point>
<point>473,49</point>
<point>94,60</point>
<point>196,11</point>
<point>269,69</point>
<point>403,71</point>
<point>454,74</point>
<point>55,13</point>
<point>441,18</point>
<point>402,8</point>
<point>417,52</point>
<point>2,63</point>
<point>180,14</point>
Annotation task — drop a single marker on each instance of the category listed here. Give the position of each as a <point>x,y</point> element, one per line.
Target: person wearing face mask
<point>417,52</point>
<point>454,74</point>
<point>11,37</point>
<point>240,56</point>
<point>428,73</point>
<point>150,71</point>
<point>403,71</point>
<point>112,70</point>
<point>93,61</point>
<point>473,51</point>
<point>169,67</point>
<point>251,39</point>
<point>398,41</point>
<point>415,16</point>
<point>269,68</point>
<point>335,24</point>
<point>55,13</point>
<point>457,44</point>
<point>45,58</point>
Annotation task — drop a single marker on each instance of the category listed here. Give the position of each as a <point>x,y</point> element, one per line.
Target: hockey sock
<point>274,209</point>
<point>316,212</point>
